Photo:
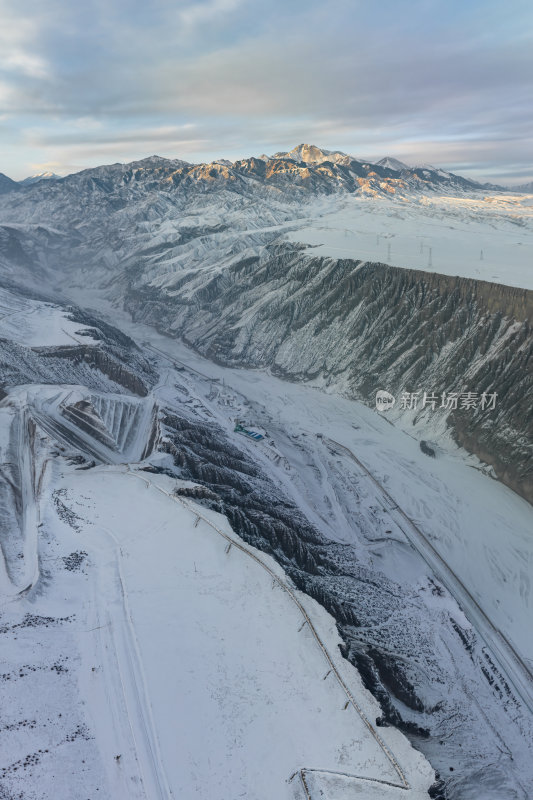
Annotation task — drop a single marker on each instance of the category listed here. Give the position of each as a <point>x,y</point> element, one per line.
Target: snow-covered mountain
<point>392,163</point>
<point>40,176</point>
<point>379,562</point>
<point>306,169</point>
<point>7,185</point>
<point>526,188</point>
<point>310,154</point>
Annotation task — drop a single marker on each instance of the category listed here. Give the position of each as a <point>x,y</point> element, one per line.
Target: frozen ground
<point>486,237</point>
<point>149,653</point>
<point>33,323</point>
<point>132,668</point>
<point>479,526</point>
<point>223,677</point>
<point>479,531</point>
<point>155,680</point>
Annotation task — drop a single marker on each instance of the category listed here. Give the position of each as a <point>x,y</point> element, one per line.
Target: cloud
<point>18,36</point>
<point>195,14</point>
<point>97,135</point>
<point>77,146</point>
<point>451,79</point>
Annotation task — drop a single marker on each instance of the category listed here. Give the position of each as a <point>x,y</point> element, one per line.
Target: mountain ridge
<point>526,188</point>
<point>321,169</point>
<point>7,184</point>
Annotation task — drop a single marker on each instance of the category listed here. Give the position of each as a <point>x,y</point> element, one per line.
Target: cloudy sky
<point>447,82</point>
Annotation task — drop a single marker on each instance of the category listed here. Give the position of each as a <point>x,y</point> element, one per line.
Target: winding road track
<point>513,667</point>
<point>232,542</point>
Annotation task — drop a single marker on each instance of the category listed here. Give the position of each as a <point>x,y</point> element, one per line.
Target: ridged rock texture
<point>360,327</point>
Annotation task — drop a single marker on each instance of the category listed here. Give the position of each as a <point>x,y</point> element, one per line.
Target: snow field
<point>33,323</point>
<point>485,237</point>
<point>236,692</point>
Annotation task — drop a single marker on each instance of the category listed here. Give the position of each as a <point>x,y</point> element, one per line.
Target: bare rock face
<point>360,327</point>
<point>110,361</point>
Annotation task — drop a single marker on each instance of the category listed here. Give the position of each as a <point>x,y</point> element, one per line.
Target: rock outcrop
<point>359,327</point>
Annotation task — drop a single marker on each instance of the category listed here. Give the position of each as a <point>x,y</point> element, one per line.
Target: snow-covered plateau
<point>487,237</point>
<point>341,608</point>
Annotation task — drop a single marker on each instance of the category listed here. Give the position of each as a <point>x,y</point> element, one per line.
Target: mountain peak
<point>392,163</point>
<point>311,154</point>
<point>40,176</point>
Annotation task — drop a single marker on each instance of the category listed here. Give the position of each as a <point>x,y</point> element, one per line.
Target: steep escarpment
<point>359,327</point>
<point>108,361</point>
<point>408,664</point>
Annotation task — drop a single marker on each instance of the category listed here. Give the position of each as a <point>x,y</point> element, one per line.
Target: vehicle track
<point>232,542</point>
<point>154,778</point>
<point>514,668</point>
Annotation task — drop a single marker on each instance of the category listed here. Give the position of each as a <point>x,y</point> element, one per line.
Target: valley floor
<point>157,655</point>
<point>481,528</point>
<point>178,662</point>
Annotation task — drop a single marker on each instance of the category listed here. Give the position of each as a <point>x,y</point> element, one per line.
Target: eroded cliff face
<point>358,327</point>
<point>109,362</point>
